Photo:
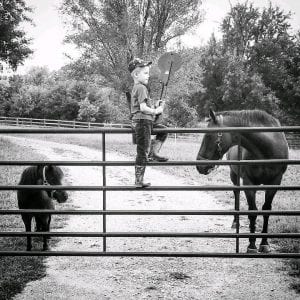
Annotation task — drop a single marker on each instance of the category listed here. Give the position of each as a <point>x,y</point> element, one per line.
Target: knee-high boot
<point>139,177</point>
<point>155,147</point>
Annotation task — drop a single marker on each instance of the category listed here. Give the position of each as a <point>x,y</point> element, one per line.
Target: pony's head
<point>53,175</point>
<point>214,144</point>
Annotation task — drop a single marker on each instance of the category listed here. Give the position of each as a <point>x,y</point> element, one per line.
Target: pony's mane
<point>245,118</point>
<point>30,175</point>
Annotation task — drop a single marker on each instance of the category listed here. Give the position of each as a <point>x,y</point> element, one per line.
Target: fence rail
<point>20,121</point>
<point>293,138</point>
<point>104,234</point>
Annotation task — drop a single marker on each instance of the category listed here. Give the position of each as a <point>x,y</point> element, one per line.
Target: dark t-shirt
<point>139,95</point>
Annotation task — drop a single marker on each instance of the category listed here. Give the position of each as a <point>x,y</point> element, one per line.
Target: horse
<point>40,199</point>
<point>254,145</point>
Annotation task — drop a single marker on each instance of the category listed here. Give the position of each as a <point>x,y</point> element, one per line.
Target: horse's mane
<point>245,118</point>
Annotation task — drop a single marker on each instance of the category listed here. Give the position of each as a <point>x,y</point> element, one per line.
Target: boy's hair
<point>138,63</point>
<point>136,71</point>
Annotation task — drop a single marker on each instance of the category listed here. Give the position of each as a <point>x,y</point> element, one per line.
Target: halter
<point>219,139</point>
<point>45,182</point>
<point>219,142</point>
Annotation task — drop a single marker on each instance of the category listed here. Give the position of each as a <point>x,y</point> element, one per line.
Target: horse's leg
<point>250,195</point>
<point>269,196</point>
<point>234,180</point>
<point>27,222</point>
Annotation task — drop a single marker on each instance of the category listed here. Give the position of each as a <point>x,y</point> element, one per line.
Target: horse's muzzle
<point>61,196</point>
<point>204,169</point>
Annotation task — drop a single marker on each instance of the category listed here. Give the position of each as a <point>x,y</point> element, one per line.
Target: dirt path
<point>147,278</point>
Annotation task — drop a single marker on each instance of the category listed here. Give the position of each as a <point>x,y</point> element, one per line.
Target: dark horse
<point>40,199</point>
<point>254,145</point>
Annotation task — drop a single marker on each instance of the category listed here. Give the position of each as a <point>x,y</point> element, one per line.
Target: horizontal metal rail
<point>151,254</point>
<point>151,188</point>
<point>167,163</point>
<point>150,234</point>
<point>152,212</point>
<point>166,130</point>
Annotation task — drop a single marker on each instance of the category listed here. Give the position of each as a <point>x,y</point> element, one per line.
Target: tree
<point>87,111</point>
<point>109,32</point>
<point>183,86</point>
<point>14,45</point>
<point>262,39</point>
<point>243,89</point>
<point>214,61</point>
<point>180,113</point>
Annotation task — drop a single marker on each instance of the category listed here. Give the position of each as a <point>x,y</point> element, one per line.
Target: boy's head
<point>139,70</point>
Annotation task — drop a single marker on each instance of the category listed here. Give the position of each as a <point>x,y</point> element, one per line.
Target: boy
<point>143,115</point>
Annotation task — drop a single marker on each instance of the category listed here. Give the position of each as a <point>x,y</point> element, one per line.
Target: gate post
<point>237,200</point>
<point>104,191</point>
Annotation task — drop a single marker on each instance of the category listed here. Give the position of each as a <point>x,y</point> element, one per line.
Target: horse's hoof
<point>264,248</point>
<point>252,250</point>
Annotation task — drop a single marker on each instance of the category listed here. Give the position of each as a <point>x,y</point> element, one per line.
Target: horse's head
<point>214,144</point>
<point>53,175</point>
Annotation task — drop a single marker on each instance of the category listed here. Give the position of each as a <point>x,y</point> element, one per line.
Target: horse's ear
<point>212,115</point>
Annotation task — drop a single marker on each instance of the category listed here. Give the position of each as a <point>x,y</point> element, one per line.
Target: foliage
<point>254,65</point>
<point>186,82</point>
<point>109,32</point>
<point>180,114</point>
<point>246,90</point>
<point>5,95</point>
<point>87,111</point>
<point>262,40</point>
<point>14,45</point>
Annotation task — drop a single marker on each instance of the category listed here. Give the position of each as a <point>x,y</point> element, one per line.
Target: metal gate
<point>105,189</point>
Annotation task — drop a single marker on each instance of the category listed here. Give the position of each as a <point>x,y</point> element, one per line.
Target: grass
<point>184,149</point>
<point>17,271</point>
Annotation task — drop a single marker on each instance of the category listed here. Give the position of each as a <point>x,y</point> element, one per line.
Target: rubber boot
<point>139,177</point>
<point>150,155</point>
<point>155,147</point>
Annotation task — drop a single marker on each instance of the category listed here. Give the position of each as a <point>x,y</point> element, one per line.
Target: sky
<point>49,31</point>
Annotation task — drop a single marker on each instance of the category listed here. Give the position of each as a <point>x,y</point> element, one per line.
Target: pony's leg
<point>250,195</point>
<point>46,227</point>
<point>27,222</point>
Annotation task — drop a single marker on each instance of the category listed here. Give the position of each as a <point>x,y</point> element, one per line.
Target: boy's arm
<point>146,109</point>
<point>142,99</point>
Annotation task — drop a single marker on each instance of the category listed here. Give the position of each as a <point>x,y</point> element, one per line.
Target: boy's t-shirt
<point>139,95</point>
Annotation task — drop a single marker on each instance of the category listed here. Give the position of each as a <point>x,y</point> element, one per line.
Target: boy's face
<point>142,75</point>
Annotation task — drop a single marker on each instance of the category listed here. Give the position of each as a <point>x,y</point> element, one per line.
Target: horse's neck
<point>258,144</point>
<point>264,144</point>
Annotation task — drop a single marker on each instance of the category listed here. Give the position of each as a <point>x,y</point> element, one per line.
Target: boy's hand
<point>159,103</point>
<point>159,110</point>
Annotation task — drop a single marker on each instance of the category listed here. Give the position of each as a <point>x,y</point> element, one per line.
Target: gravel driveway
<point>148,278</point>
